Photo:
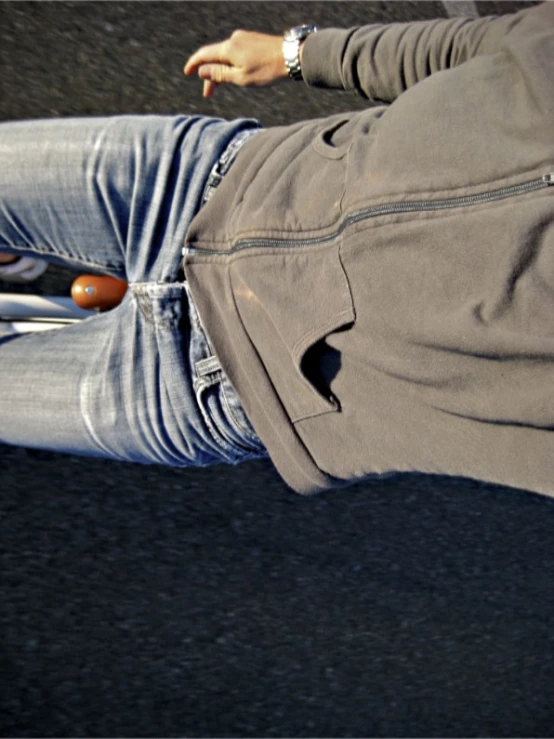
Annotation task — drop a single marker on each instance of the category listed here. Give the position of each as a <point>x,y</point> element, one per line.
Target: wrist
<point>301,51</point>
<point>281,70</point>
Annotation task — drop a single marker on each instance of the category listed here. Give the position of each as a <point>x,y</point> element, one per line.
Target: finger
<point>213,53</point>
<point>209,88</point>
<point>217,73</point>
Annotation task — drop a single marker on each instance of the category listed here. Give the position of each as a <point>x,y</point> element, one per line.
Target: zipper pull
<point>548,179</point>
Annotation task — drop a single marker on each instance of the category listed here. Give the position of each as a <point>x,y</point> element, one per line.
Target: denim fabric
<point>139,383</point>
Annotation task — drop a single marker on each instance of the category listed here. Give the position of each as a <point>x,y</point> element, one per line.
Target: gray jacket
<point>379,286</point>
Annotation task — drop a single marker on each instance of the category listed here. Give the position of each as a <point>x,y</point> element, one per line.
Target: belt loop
<point>223,164</point>
<point>207,366</point>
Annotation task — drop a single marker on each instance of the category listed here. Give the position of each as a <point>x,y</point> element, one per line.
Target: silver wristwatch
<point>291,48</point>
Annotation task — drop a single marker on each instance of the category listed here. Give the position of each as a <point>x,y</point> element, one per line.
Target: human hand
<point>245,59</point>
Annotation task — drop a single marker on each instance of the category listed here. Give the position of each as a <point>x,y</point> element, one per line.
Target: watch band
<point>291,48</point>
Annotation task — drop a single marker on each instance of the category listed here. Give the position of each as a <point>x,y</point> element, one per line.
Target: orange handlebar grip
<point>98,292</point>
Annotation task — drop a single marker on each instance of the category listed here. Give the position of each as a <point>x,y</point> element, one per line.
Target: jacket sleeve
<point>380,62</point>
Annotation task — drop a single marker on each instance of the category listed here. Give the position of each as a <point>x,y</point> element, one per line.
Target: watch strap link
<point>291,48</point>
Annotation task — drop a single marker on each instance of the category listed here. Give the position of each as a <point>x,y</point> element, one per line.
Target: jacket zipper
<point>386,209</point>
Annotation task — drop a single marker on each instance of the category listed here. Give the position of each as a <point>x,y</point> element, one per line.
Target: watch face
<point>300,32</point>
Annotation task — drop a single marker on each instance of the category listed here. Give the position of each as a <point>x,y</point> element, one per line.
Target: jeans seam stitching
<point>234,418</point>
<point>211,425</point>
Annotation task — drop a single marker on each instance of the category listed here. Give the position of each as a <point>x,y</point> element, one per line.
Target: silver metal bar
<point>27,327</point>
<point>13,305</point>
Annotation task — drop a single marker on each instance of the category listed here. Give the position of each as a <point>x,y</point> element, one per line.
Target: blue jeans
<point>139,383</point>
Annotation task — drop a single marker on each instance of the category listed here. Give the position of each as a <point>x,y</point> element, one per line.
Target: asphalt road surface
<point>153,602</point>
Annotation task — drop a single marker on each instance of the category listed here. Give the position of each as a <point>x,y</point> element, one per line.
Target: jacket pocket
<point>290,300</point>
<point>334,140</point>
